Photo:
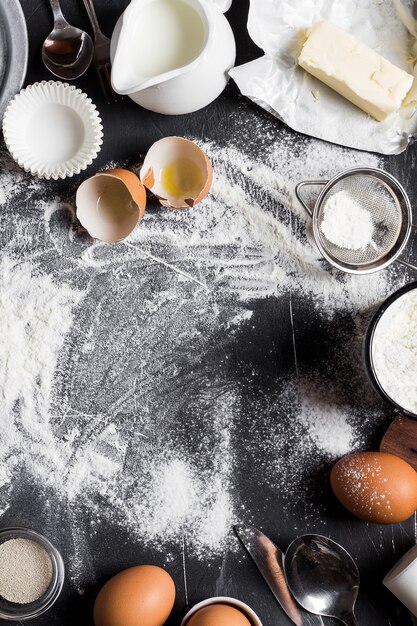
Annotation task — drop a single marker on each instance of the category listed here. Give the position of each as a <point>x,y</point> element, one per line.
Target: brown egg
<point>218,615</point>
<point>138,596</point>
<point>376,487</point>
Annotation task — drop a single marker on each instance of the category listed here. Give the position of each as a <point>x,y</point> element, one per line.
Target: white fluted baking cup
<point>52,129</point>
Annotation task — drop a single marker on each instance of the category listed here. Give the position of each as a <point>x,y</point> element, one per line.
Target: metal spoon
<point>67,51</point>
<point>323,577</point>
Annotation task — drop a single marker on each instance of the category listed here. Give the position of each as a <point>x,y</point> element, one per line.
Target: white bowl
<point>244,608</point>
<point>52,129</point>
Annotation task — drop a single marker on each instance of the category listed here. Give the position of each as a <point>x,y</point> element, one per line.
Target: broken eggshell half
<point>111,204</point>
<point>177,172</point>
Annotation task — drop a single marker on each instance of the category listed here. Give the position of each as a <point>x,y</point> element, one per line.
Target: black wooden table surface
<point>260,357</point>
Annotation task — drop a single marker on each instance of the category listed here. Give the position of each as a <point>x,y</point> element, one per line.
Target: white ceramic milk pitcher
<point>172,56</point>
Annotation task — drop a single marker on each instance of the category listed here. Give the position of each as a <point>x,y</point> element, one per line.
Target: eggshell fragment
<point>111,204</point>
<point>218,615</point>
<point>376,487</point>
<point>138,596</point>
<point>166,152</point>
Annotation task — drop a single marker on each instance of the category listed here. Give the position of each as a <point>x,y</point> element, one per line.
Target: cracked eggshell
<point>111,204</point>
<point>166,152</point>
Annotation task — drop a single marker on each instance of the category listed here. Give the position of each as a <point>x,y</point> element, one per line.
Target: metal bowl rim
<point>368,348</point>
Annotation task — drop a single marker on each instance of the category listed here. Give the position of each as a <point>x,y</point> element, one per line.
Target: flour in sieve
<point>345,223</point>
<point>394,351</point>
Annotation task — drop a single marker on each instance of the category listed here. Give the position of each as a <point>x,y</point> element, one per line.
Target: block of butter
<point>354,70</point>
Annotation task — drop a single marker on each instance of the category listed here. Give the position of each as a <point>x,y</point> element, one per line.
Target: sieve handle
<point>307,183</point>
<point>405,263</point>
<point>409,265</point>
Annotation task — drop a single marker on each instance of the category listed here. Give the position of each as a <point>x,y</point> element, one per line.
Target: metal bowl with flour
<point>390,350</point>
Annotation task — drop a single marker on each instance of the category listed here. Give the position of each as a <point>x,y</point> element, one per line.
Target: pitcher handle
<point>306,183</point>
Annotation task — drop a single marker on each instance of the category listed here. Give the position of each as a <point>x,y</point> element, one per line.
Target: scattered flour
<point>250,235</point>
<point>105,376</point>
<point>36,314</point>
<point>182,499</point>
<point>345,223</point>
<point>316,420</point>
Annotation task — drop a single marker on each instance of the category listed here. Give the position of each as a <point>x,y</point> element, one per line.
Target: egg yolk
<point>182,178</point>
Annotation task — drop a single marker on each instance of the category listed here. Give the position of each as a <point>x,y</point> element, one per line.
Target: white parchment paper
<point>223,5</point>
<point>279,85</point>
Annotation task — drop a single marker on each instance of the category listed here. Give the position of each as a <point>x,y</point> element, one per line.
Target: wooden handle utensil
<point>401,440</point>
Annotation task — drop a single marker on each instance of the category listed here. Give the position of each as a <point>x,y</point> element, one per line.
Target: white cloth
<point>223,5</point>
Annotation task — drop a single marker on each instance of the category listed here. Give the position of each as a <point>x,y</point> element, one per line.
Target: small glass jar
<point>20,612</point>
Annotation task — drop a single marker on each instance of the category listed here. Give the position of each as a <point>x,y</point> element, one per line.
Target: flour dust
<point>125,390</point>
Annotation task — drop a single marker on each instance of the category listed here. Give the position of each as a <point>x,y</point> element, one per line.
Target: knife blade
<point>269,560</point>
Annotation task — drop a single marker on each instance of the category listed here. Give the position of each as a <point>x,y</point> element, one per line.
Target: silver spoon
<point>323,577</point>
<point>67,52</point>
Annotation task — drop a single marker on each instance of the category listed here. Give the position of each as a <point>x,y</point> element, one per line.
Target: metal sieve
<point>388,207</point>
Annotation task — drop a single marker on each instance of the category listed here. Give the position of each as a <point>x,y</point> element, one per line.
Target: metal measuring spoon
<point>67,52</point>
<point>323,577</point>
